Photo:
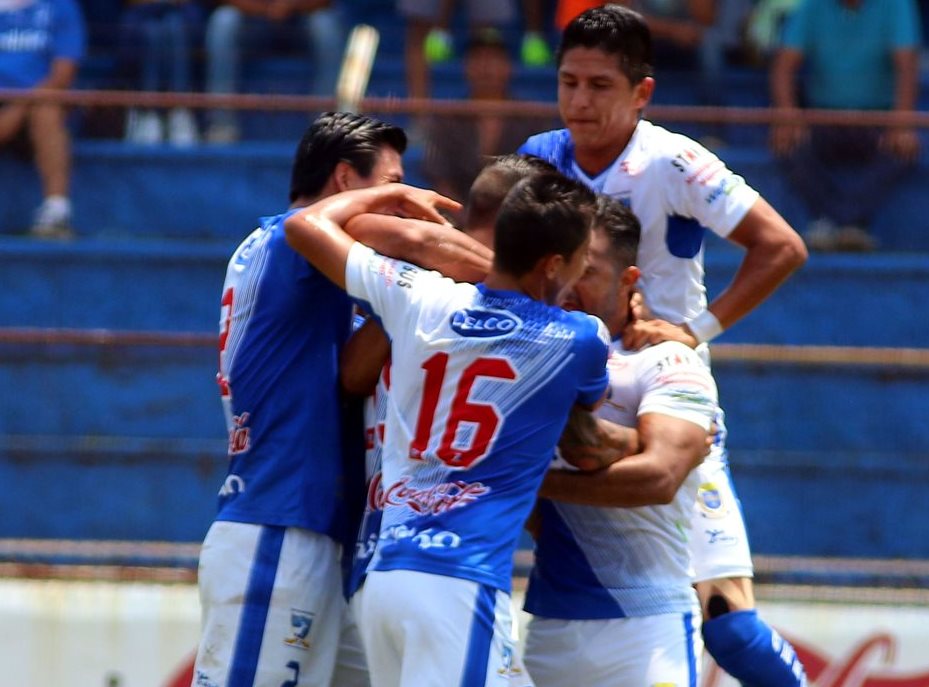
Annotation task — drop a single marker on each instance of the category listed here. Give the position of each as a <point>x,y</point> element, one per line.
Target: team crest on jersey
<point>485,324</point>
<point>710,501</point>
<point>300,624</point>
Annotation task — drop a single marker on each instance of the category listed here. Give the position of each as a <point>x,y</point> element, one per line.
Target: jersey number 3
<point>483,416</point>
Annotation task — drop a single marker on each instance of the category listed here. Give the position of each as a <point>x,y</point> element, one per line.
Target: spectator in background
<point>41,43</point>
<point>458,147</point>
<point>245,22</point>
<point>861,55</point>
<point>428,39</point>
<point>701,32</point>
<point>157,39</point>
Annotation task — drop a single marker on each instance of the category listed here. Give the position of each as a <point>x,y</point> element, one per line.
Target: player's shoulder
<point>548,144</point>
<point>668,356</point>
<point>588,328</point>
<point>669,149</point>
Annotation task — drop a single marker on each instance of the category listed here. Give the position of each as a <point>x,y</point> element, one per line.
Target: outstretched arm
<point>317,233</point>
<point>434,246</point>
<point>672,448</point>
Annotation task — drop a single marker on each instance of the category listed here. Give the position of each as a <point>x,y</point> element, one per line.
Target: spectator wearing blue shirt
<point>860,55</point>
<point>41,43</point>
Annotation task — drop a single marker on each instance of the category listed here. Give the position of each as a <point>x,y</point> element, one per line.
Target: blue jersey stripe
<point>255,608</point>
<point>482,634</point>
<point>691,654</point>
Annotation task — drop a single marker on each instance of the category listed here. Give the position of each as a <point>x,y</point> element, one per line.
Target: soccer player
<point>483,379</point>
<point>611,590</point>
<point>676,188</point>
<point>270,579</point>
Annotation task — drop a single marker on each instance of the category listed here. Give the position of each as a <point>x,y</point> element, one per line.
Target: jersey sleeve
<point>391,289</point>
<point>700,185</point>
<point>906,31</point>
<point>593,349</point>
<point>675,382</point>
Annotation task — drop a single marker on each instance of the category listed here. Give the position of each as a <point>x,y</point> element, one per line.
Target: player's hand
<point>901,142</point>
<point>638,308</point>
<point>639,333</point>
<point>279,10</point>
<point>785,138</point>
<point>414,203</point>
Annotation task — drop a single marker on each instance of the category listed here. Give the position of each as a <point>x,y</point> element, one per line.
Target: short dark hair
<point>542,215</point>
<point>339,137</point>
<point>622,228</point>
<point>495,180</point>
<point>616,30</point>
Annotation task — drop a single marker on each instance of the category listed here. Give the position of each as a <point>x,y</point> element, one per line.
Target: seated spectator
<point>428,37</point>
<point>860,55</point>
<point>41,43</point>
<point>317,24</point>
<point>458,147</point>
<point>157,39</point>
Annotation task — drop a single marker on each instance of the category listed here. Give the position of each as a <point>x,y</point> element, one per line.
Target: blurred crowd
<point>827,54</point>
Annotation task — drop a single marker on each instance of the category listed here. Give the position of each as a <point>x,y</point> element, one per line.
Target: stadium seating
<point>127,441</point>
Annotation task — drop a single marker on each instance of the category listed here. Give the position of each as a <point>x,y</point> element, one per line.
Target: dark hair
<point>495,180</point>
<point>616,30</point>
<point>621,227</point>
<point>542,215</point>
<point>339,137</point>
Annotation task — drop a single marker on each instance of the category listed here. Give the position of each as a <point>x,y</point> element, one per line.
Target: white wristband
<point>705,327</point>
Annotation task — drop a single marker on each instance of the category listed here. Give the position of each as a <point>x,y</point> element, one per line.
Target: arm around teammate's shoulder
<point>773,251</point>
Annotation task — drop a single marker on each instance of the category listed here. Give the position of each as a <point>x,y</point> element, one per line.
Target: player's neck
<point>594,161</point>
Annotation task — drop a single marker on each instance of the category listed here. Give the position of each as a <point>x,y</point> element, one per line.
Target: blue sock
<point>751,651</point>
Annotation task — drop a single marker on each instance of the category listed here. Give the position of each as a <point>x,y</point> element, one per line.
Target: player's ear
<point>344,176</point>
<point>552,265</point>
<point>630,276</point>
<point>642,92</point>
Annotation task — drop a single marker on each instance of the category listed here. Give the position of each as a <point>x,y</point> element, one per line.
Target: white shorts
<point>425,630</point>
<point>634,652</point>
<point>719,541</point>
<point>273,610</point>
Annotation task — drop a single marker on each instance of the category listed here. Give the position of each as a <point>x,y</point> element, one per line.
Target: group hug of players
<point>545,365</point>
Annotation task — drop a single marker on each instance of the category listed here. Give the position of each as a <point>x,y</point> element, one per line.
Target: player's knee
<point>748,649</point>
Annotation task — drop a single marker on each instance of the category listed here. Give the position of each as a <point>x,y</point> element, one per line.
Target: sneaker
<point>53,220</point>
<point>821,235</point>
<point>221,134</point>
<point>535,51</point>
<point>438,46</point>
<point>182,128</point>
<point>144,127</point>
<point>854,239</point>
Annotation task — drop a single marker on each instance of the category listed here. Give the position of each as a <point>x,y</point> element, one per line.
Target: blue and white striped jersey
<point>594,563</point>
<point>281,329</point>
<point>676,187</point>
<point>482,382</point>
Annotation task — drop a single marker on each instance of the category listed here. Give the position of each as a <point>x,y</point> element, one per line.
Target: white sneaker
<point>52,219</point>
<point>144,127</point>
<point>182,128</point>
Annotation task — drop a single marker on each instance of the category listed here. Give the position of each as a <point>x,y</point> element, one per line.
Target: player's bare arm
<point>672,447</point>
<point>592,443</point>
<point>430,245</point>
<point>317,233</point>
<point>363,357</point>
<point>773,252</point>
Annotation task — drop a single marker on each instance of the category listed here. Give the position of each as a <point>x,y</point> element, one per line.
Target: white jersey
<point>482,381</point>
<point>676,188</point>
<point>595,563</point>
